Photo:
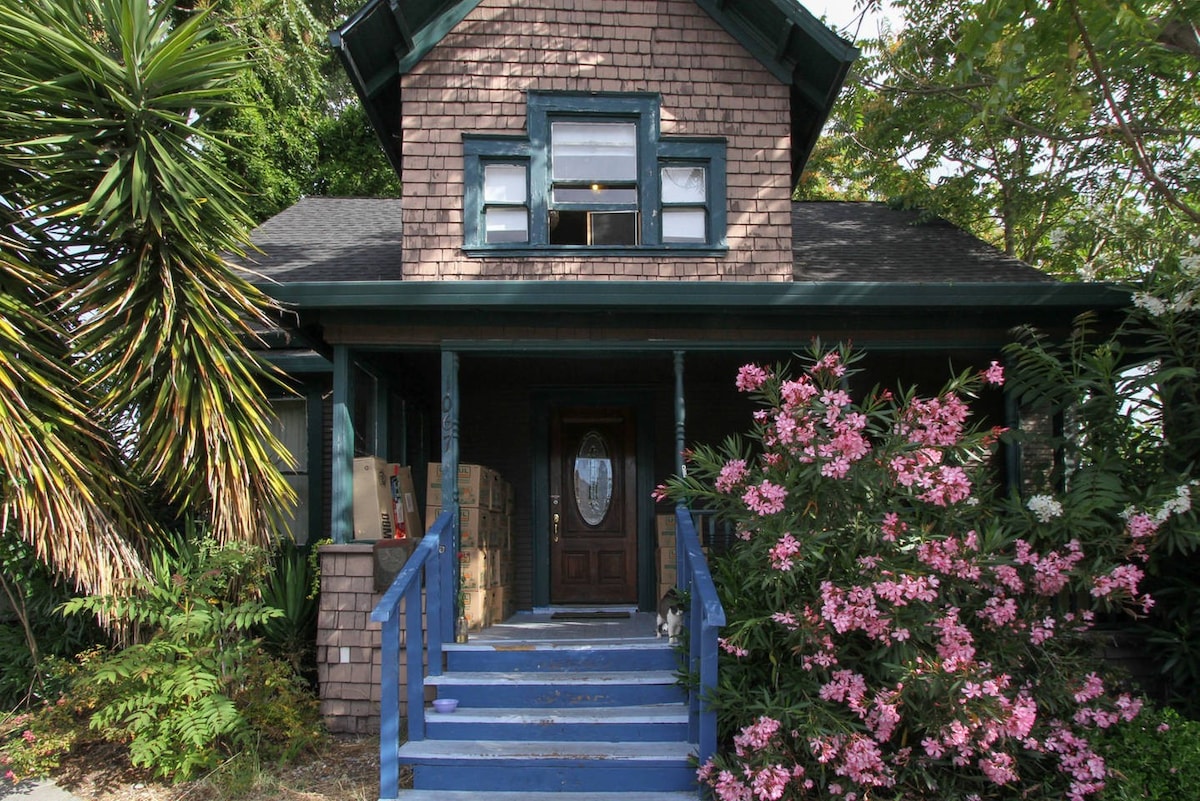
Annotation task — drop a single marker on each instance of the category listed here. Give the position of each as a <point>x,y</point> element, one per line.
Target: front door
<point>593,506</point>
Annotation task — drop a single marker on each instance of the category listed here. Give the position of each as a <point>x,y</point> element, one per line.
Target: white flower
<point>1190,265</point>
<point>1155,306</point>
<point>1044,508</point>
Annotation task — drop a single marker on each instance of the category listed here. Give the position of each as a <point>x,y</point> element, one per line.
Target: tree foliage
<point>1065,133</point>
<point>126,363</point>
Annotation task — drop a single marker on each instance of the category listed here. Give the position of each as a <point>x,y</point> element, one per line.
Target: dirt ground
<point>344,769</point>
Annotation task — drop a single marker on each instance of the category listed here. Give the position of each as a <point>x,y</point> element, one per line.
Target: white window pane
<point>683,225</point>
<point>593,151</point>
<point>506,225</point>
<point>683,185</point>
<point>504,183</point>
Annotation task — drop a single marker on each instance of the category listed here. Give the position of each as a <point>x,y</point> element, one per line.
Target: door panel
<point>593,505</point>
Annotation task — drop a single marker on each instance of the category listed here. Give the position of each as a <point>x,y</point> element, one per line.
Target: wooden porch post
<point>341,523</point>
<point>450,406</point>
<point>680,413</point>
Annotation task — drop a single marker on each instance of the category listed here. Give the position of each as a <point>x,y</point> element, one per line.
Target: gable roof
<point>386,38</point>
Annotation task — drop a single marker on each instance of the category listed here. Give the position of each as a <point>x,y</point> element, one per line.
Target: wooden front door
<point>593,506</point>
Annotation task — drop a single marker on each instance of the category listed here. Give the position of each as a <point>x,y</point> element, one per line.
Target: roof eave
<point>759,297</point>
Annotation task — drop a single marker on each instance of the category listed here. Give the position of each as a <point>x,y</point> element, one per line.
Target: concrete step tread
<point>493,795</point>
<point>649,644</point>
<point>465,677</point>
<point>463,750</point>
<point>647,713</point>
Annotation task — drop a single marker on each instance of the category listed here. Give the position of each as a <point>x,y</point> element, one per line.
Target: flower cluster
<point>882,607</point>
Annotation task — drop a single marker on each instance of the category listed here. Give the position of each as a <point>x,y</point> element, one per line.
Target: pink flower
<point>1000,768</point>
<point>781,552</point>
<point>28,736</point>
<point>750,377</point>
<point>994,374</point>
<point>756,736</point>
<point>769,783</point>
<point>893,526</point>
<point>765,498</point>
<point>732,473</point>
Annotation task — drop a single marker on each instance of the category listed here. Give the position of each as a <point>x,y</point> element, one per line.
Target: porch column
<point>341,523</point>
<point>680,413</point>
<point>450,405</point>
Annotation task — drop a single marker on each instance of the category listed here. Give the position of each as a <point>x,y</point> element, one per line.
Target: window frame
<point>653,152</point>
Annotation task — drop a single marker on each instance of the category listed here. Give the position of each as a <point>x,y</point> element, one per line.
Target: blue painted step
<point>493,795</point>
<point>549,766</point>
<point>560,656</point>
<point>648,723</point>
<point>559,689</point>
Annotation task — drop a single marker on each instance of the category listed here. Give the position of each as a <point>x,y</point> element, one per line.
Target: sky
<point>842,16</point>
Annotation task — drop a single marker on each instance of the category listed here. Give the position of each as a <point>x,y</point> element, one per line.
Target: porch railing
<point>428,568</point>
<point>706,616</point>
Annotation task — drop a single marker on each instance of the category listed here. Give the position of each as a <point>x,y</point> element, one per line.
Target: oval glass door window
<point>593,479</point>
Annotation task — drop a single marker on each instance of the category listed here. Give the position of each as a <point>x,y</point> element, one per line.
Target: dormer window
<point>593,176</point>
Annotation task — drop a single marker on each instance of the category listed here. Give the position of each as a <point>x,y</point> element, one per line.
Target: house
<point>596,230</point>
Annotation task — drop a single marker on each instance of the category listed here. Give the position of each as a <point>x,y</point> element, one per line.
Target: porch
<point>548,702</point>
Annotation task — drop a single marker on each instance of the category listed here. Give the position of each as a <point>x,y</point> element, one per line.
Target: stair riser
<point>541,660</point>
<point>540,696</point>
<point>539,777</point>
<point>559,732</point>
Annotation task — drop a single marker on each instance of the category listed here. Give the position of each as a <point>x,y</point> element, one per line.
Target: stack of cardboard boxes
<point>385,501</point>
<point>485,508</point>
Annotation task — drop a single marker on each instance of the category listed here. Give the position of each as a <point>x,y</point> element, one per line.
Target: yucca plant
<point>124,360</point>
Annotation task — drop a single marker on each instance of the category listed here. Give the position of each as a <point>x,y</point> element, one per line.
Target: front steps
<point>586,721</point>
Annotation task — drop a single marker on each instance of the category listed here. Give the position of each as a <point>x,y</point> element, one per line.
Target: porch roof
<point>385,39</point>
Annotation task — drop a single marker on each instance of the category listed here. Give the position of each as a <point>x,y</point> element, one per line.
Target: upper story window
<point>593,175</point>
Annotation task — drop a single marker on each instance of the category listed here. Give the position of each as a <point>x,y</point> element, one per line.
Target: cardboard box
<point>664,588</point>
<point>475,607</point>
<point>473,565</point>
<point>471,525</point>
<point>667,574</point>
<point>667,556</point>
<point>664,526</point>
<point>406,517</point>
<point>372,499</point>
<point>474,485</point>
<point>499,604</point>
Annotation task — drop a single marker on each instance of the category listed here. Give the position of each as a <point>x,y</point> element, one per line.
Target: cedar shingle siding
<point>475,80</point>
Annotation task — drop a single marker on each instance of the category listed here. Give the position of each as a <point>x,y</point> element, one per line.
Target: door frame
<point>641,401</point>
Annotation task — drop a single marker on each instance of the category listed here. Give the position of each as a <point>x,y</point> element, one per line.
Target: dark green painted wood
<point>654,151</point>
<point>757,298</point>
<point>680,413</point>
<point>341,523</point>
<point>316,464</point>
<point>450,454</point>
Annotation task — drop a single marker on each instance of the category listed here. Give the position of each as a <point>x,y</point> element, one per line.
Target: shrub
<point>1156,757</point>
<point>196,687</point>
<point>896,629</point>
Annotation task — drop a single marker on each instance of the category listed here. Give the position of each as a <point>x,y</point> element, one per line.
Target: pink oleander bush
<point>898,628</point>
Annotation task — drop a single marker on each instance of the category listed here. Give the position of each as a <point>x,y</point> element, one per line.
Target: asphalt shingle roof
<point>359,239</point>
<point>841,241</point>
<point>328,239</point>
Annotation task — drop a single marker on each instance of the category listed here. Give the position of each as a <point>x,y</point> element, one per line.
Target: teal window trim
<point>533,151</point>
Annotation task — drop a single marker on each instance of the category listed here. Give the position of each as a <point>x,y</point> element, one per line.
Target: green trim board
<point>531,154</point>
<point>757,297</point>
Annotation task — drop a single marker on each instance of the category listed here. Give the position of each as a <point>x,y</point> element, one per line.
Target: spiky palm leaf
<point>109,98</point>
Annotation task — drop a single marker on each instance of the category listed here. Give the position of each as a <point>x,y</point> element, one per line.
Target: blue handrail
<point>706,616</point>
<point>426,566</point>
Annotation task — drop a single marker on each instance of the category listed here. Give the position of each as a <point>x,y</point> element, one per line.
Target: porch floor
<point>541,625</point>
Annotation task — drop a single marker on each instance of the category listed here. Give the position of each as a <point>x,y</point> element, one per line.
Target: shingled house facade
<point>596,230</point>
